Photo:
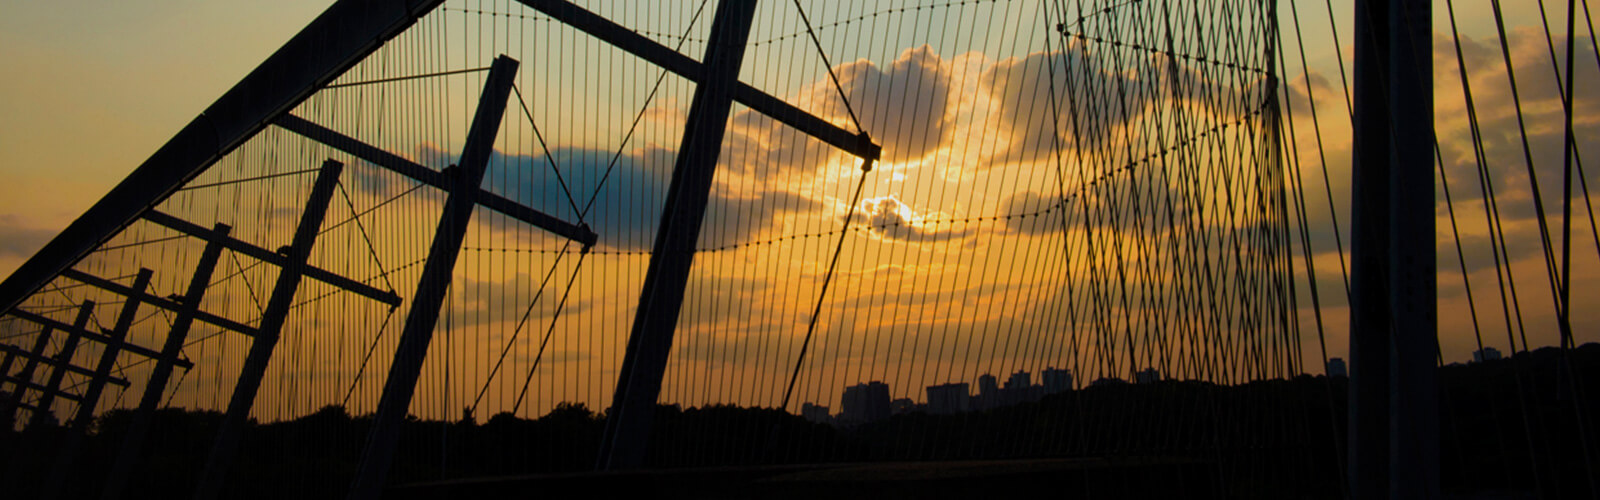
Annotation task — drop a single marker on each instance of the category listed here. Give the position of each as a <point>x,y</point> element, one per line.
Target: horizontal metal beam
<point>336,40</point>
<point>46,360</point>
<point>133,348</point>
<point>599,27</point>
<point>270,257</point>
<point>29,384</point>
<point>377,156</point>
<point>168,304</point>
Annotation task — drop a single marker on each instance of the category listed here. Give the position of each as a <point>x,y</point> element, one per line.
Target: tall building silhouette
<point>815,413</point>
<point>1485,354</point>
<point>949,398</point>
<point>1056,380</point>
<point>988,393</point>
<point>1337,368</point>
<point>865,403</point>
<point>1147,376</point>
<point>1019,380</point>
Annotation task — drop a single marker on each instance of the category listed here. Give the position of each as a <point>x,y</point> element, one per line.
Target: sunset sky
<point>97,86</point>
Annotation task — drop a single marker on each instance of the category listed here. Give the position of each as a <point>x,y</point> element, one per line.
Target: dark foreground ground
<point>1516,428</point>
<point>1045,478</point>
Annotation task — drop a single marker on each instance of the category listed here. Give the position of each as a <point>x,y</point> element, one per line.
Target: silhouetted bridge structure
<point>484,248</point>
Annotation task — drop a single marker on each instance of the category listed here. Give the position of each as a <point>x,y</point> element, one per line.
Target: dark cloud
<point>19,241</point>
<point>1480,250</point>
<point>1093,93</point>
<point>1501,134</point>
<point>628,193</point>
<point>904,108</point>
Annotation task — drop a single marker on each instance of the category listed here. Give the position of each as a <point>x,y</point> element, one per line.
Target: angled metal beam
<point>67,454</point>
<point>108,357</point>
<point>8,414</point>
<point>671,60</point>
<point>661,298</point>
<point>164,303</point>
<point>376,156</point>
<point>336,40</point>
<point>266,339</point>
<point>97,337</point>
<point>133,443</point>
<point>19,352</point>
<point>466,179</point>
<point>11,358</point>
<point>63,358</point>
<point>271,257</point>
<point>29,384</point>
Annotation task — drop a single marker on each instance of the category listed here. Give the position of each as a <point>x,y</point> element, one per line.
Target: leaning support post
<point>5,371</point>
<point>133,443</point>
<point>68,453</point>
<point>465,181</point>
<point>69,347</point>
<point>643,365</point>
<point>108,357</point>
<point>8,415</point>
<point>267,332</point>
<point>335,41</point>
<point>5,365</point>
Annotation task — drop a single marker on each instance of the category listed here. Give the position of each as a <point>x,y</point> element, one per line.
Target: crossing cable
<point>1557,283</point>
<point>1307,250</point>
<point>1569,152</point>
<point>362,369</point>
<point>1567,342</point>
<point>527,381</point>
<point>1504,275</point>
<point>827,278</point>
<point>526,314</point>
<point>1533,179</point>
<point>251,289</point>
<point>626,137</point>
<point>831,74</point>
<point>248,179</point>
<point>1316,125</point>
<point>356,217</point>
<point>548,158</point>
<point>404,78</point>
<point>1572,155</point>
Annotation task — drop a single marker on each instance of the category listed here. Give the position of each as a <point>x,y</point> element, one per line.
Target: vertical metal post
<point>41,409</point>
<point>267,333</point>
<point>68,453</point>
<point>1369,253</point>
<point>465,181</point>
<point>650,342</point>
<point>1414,396</point>
<point>1394,417</point>
<point>133,443</point>
<point>8,417</point>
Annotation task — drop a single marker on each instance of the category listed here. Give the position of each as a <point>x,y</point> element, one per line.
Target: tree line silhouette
<point>1519,424</point>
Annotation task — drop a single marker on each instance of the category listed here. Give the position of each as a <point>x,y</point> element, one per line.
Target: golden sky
<point>938,290</point>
